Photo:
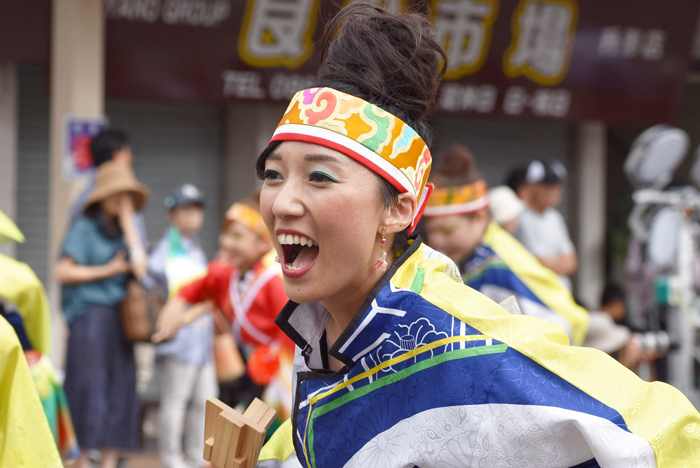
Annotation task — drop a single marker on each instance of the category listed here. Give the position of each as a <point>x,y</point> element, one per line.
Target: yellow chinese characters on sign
<point>543,39</point>
<point>394,6</point>
<point>278,33</point>
<point>463,28</point>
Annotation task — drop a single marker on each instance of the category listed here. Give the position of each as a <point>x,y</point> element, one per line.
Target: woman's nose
<point>287,201</point>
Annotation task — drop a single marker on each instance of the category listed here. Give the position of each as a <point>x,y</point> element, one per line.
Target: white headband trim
<point>461,208</point>
<point>284,132</point>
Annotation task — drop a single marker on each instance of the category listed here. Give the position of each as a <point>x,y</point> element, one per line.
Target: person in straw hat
<point>100,252</point>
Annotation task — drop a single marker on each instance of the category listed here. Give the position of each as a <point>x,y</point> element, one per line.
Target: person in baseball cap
<point>185,207</point>
<point>184,195</point>
<point>188,372</point>
<point>542,228</point>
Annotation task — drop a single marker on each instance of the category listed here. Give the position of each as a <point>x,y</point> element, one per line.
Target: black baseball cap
<point>545,172</point>
<point>184,195</point>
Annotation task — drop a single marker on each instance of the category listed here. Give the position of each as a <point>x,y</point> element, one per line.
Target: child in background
<point>187,361</point>
<point>246,285</point>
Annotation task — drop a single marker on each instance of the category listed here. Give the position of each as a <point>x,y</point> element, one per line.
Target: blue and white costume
<point>438,375</point>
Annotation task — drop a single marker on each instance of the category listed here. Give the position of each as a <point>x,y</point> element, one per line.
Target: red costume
<point>252,312</point>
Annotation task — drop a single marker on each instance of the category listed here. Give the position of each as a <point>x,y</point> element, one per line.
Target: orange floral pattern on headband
<point>463,195</point>
<point>374,128</point>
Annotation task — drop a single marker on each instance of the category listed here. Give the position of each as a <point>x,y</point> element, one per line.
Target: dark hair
<point>516,178</point>
<point>455,167</point>
<point>105,144</point>
<point>391,60</point>
<point>612,292</point>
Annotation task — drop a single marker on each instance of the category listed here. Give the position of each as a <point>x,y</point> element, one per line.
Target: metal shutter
<point>172,144</point>
<point>500,146</point>
<point>33,169</point>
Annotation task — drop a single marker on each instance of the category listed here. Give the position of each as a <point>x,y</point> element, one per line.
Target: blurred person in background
<point>23,303</point>
<point>458,223</point>
<point>101,250</point>
<point>542,229</point>
<point>187,361</point>
<point>245,283</point>
<point>108,145</point>
<point>645,346</point>
<point>505,208</point>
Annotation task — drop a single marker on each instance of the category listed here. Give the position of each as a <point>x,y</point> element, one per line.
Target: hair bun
<point>391,60</point>
<point>456,166</point>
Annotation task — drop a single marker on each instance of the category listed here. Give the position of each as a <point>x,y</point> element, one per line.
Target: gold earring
<point>381,263</point>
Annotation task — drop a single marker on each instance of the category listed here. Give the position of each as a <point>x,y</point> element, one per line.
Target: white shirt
<point>545,235</point>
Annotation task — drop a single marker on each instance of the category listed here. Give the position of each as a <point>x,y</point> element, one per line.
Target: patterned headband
<point>458,200</point>
<point>368,134</point>
<point>249,217</point>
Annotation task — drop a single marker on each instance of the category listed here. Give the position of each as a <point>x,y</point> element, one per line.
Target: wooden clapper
<point>232,439</point>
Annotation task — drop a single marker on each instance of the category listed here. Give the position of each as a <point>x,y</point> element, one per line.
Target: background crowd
<point>511,241</point>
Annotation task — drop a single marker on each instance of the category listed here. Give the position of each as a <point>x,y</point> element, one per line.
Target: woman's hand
<point>126,208</point>
<point>118,265</point>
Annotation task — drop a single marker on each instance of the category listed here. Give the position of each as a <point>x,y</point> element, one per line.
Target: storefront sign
<point>77,157</point>
<point>621,61</point>
<point>617,61</point>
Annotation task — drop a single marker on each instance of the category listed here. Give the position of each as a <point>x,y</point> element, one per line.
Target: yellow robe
<point>25,436</point>
<point>20,286</point>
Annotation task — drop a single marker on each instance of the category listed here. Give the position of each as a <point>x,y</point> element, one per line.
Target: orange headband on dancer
<point>368,134</point>
<point>458,200</point>
<point>249,217</point>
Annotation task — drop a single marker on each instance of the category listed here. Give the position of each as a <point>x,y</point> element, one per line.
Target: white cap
<point>504,204</point>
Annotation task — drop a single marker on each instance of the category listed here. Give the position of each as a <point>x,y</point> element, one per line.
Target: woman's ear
<point>400,215</point>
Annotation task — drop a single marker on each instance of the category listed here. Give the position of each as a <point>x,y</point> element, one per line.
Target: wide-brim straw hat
<point>113,178</point>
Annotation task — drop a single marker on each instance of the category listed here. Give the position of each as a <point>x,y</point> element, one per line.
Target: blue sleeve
<point>503,277</point>
<point>77,243</point>
<point>156,264</point>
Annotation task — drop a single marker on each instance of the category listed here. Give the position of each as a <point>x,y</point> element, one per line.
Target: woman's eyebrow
<point>274,157</point>
<point>323,158</point>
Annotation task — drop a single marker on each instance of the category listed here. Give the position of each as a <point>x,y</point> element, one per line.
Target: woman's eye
<point>320,177</point>
<point>269,174</point>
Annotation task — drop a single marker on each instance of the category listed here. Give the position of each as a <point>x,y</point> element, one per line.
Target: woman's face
<point>315,194</point>
<point>457,235</point>
<point>111,206</point>
<point>242,247</point>
<point>188,219</point>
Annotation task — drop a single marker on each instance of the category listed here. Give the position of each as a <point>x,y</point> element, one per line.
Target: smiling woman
<point>408,366</point>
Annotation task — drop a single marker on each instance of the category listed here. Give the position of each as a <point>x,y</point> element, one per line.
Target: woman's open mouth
<point>299,252</point>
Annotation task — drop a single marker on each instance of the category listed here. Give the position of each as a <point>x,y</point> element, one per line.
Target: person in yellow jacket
<point>25,436</point>
<point>24,305</point>
<point>21,287</point>
<point>490,260</point>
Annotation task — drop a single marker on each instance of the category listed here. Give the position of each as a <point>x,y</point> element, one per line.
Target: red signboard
<point>25,29</point>
<point>617,61</point>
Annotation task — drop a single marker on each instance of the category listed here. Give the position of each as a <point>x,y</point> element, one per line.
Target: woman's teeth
<point>289,239</point>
